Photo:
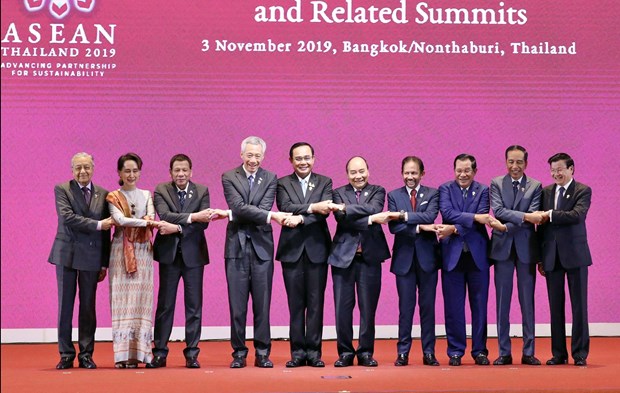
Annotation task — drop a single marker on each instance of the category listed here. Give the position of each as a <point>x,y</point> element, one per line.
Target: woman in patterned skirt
<point>131,266</point>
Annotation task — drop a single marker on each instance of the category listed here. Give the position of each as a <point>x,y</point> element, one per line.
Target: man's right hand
<point>280,217</point>
<point>322,207</point>
<point>107,224</point>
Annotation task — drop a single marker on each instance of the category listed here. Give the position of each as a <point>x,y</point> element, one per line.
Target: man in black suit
<point>566,257</point>
<point>358,250</point>
<point>81,253</point>
<point>415,259</point>
<point>303,250</point>
<point>250,191</point>
<point>180,247</point>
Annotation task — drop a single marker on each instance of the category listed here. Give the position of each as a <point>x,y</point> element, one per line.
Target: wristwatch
<point>401,217</point>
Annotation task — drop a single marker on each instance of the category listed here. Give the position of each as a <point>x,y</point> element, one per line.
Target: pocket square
<point>423,203</point>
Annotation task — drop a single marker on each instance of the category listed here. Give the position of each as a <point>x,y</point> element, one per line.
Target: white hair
<point>82,155</point>
<point>253,140</point>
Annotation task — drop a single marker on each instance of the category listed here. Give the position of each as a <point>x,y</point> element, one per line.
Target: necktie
<point>515,188</point>
<point>359,244</point>
<point>357,195</point>
<point>464,190</point>
<point>558,204</point>
<point>86,192</point>
<point>251,181</point>
<point>182,198</point>
<point>304,186</point>
<point>413,200</point>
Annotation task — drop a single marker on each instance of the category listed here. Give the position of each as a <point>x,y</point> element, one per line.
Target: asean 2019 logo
<point>60,8</point>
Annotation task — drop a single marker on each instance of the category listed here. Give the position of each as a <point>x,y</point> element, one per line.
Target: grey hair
<point>253,140</point>
<point>82,155</point>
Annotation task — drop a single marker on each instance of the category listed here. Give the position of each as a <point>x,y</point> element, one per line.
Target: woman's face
<point>130,174</point>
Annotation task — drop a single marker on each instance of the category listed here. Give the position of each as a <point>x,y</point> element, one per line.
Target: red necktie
<point>413,200</point>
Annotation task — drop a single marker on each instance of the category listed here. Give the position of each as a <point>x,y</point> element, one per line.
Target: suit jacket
<point>192,241</point>
<point>510,211</point>
<point>566,234</point>
<point>78,243</point>
<point>353,226</point>
<point>249,212</point>
<point>407,242</point>
<point>459,212</point>
<point>313,235</point>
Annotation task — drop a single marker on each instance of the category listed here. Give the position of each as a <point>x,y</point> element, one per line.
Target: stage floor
<point>30,368</point>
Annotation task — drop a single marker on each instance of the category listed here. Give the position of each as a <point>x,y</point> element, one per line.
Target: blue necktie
<point>86,192</point>
<point>182,198</point>
<point>251,181</point>
<point>304,187</point>
<point>515,188</point>
<point>558,205</point>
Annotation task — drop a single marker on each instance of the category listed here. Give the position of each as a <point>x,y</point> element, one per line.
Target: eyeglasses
<point>558,170</point>
<point>304,158</point>
<point>133,209</point>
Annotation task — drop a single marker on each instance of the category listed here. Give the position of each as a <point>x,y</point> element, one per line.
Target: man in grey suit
<point>358,250</point>
<point>180,247</point>
<point>250,192</point>
<point>566,257</point>
<point>303,249</point>
<point>81,253</point>
<point>515,199</point>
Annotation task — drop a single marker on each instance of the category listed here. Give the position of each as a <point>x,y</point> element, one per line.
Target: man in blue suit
<point>464,206</point>
<point>415,259</point>
<point>358,250</point>
<point>515,199</point>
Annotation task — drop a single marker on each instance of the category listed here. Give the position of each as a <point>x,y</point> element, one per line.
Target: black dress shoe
<point>263,361</point>
<point>503,360</point>
<point>238,362</point>
<point>87,362</point>
<point>530,360</point>
<point>556,360</point>
<point>344,361</point>
<point>482,360</point>
<point>65,363</point>
<point>316,362</point>
<point>581,362</point>
<point>296,362</point>
<point>192,362</point>
<point>401,360</point>
<point>157,362</point>
<point>455,360</point>
<point>429,359</point>
<point>366,361</point>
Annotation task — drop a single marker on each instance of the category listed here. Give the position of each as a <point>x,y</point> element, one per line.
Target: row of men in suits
<point>304,200</point>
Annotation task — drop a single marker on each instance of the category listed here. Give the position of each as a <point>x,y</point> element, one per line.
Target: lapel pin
<point>567,196</point>
<point>421,195</point>
<point>366,193</point>
<point>473,193</point>
<point>522,189</point>
<point>260,179</point>
<point>310,185</point>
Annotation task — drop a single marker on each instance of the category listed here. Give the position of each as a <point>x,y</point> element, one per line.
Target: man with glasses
<point>566,257</point>
<point>464,207</point>
<point>303,249</point>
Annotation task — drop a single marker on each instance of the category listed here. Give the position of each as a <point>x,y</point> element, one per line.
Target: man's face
<point>516,164</point>
<point>412,175</point>
<point>82,170</point>
<point>302,161</point>
<point>181,173</point>
<point>252,157</point>
<point>464,173</point>
<point>357,172</point>
<point>560,173</point>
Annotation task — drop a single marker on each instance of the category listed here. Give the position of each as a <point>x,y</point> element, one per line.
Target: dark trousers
<point>169,277</point>
<point>526,284</point>
<point>249,276</point>
<point>365,278</point>
<point>466,278</point>
<point>305,290</point>
<point>578,289</point>
<point>408,286</point>
<point>69,280</point>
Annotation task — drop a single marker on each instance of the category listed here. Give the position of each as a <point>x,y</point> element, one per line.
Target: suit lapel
<point>78,196</point>
<point>296,186</point>
<point>258,180</point>
<point>366,192</point>
<point>349,193</point>
<point>174,197</point>
<point>567,203</point>
<point>189,198</point>
<point>312,180</point>
<point>457,195</point>
<point>243,180</point>
<point>523,186</point>
<point>419,198</point>
<point>507,194</point>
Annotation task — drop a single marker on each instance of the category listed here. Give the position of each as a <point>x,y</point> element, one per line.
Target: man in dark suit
<point>464,206</point>
<point>250,191</point>
<point>415,258</point>
<point>566,257</point>
<point>180,247</point>
<point>303,250</point>
<point>358,250</point>
<point>81,253</point>
<point>515,199</point>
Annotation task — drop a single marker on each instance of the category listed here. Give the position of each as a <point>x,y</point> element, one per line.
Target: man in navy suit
<point>303,249</point>
<point>81,253</point>
<point>250,192</point>
<point>415,258</point>
<point>566,257</point>
<point>515,199</point>
<point>464,206</point>
<point>180,247</point>
<point>358,250</point>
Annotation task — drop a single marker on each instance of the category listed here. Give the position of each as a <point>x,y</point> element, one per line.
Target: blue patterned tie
<point>182,198</point>
<point>558,205</point>
<point>86,192</point>
<point>251,181</point>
